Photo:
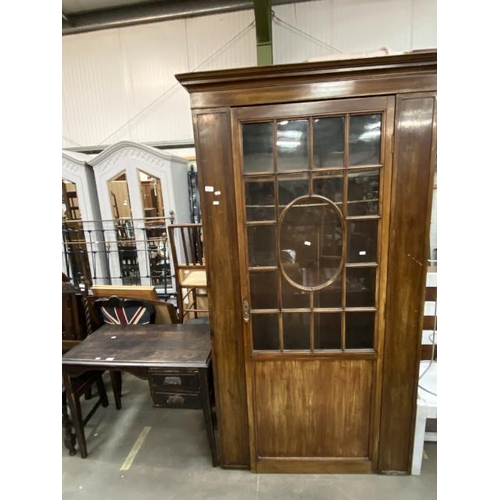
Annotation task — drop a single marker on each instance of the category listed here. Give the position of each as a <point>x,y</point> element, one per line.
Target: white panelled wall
<point>119,84</point>
<point>327,27</point>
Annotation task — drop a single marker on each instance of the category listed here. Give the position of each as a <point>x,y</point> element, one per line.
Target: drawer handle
<point>175,400</point>
<point>172,381</point>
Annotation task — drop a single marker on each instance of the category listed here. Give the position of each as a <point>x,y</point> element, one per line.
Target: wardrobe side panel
<point>413,168</point>
<point>215,173</point>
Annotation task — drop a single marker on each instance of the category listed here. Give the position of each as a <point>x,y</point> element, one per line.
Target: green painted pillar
<point>264,31</point>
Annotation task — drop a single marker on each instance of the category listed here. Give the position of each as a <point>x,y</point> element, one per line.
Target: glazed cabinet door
<point>312,184</point>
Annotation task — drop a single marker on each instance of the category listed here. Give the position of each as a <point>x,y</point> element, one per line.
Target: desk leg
<point>76,414</point>
<point>116,384</point>
<point>207,414</point>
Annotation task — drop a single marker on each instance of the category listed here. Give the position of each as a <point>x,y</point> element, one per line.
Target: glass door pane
<point>311,188</point>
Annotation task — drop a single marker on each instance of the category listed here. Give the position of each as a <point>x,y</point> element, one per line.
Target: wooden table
<point>175,359</point>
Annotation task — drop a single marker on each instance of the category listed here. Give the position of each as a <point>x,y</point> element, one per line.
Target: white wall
<point>119,84</point>
<point>327,27</point>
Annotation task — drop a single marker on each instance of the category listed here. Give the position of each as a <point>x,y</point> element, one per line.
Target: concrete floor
<point>174,463</point>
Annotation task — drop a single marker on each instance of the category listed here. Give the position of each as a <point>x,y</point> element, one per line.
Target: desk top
<point>162,346</point>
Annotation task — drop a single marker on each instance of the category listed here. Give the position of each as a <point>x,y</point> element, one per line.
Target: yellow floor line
<point>135,449</point>
<point>425,455</point>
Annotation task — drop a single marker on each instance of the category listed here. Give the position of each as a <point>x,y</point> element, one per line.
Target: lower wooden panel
<point>328,466</point>
<point>313,409</point>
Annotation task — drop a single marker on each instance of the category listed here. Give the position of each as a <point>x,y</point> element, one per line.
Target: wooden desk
<point>176,360</point>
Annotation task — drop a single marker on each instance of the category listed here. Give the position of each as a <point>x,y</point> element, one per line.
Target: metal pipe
<point>150,12</point>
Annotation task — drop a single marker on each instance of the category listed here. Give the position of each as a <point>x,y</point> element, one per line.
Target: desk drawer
<point>176,400</point>
<point>174,380</point>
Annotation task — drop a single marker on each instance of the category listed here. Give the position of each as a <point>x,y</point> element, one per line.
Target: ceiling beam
<point>264,31</point>
<point>150,12</point>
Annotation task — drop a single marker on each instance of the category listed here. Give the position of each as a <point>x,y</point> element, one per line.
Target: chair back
<point>165,312</point>
<point>122,311</point>
<point>128,291</point>
<point>186,245</point>
<point>186,242</point>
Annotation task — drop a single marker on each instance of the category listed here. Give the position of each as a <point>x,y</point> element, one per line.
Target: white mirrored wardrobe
<point>141,190</point>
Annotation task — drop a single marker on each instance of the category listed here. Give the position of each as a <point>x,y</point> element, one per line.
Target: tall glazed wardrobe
<point>315,183</point>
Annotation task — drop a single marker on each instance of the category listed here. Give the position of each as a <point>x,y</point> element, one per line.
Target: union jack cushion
<point>128,315</point>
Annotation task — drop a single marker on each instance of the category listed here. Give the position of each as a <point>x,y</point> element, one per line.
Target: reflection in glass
<point>259,198</point>
<point>74,245</point>
<point>296,331</point>
<point>264,290</point>
<point>327,330</point>
<point>291,188</point>
<point>364,139</point>
<point>265,332</point>
<point>124,229</point>
<point>70,204</point>
<point>261,246</point>
<point>119,197</point>
<point>330,187</point>
<point>311,242</point>
<point>328,144</point>
<point>363,193</point>
<point>292,297</point>
<point>361,286</point>
<point>360,328</point>
<point>152,198</point>
<point>362,241</point>
<point>257,147</point>
<point>331,296</point>
<point>155,228</point>
<point>291,143</point>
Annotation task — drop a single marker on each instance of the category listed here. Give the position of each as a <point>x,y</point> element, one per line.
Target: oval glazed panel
<point>311,242</point>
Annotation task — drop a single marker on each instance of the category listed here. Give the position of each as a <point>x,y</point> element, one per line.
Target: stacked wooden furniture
<point>73,333</point>
<point>313,178</point>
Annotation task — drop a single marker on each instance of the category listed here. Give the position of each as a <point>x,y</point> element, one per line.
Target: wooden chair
<point>190,270</point>
<point>73,332</point>
<point>427,385</point>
